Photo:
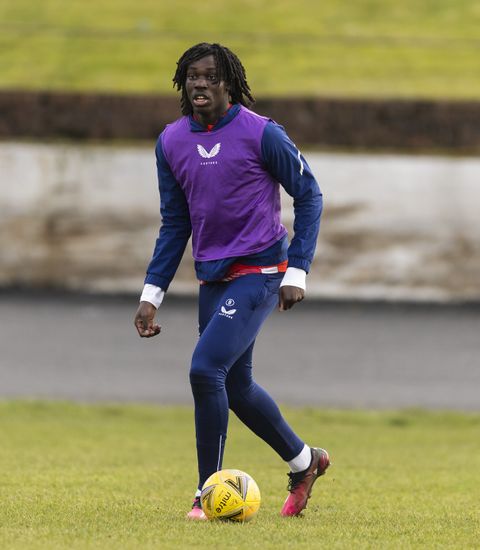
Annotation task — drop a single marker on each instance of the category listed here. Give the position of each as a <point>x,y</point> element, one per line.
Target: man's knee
<point>206,374</point>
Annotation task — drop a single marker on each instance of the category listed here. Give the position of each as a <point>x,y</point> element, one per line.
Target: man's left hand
<point>288,296</point>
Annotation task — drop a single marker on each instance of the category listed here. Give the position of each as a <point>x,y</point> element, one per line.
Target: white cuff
<point>295,277</point>
<point>153,294</point>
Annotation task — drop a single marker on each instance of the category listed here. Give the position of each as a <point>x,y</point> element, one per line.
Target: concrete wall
<point>86,217</point>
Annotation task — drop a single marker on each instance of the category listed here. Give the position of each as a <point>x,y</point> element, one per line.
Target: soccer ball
<point>230,495</point>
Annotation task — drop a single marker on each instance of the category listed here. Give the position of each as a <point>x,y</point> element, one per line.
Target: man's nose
<point>201,82</point>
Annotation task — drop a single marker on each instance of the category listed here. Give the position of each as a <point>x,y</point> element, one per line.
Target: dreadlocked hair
<point>229,69</point>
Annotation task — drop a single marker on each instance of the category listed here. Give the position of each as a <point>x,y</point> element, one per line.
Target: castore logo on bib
<point>209,154</point>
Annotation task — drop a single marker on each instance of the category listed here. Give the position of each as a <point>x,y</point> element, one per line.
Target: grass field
<point>363,48</point>
<point>114,477</point>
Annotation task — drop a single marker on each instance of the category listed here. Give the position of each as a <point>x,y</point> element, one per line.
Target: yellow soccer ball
<point>230,495</point>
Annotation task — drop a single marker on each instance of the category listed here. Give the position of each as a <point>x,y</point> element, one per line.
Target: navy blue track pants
<point>230,317</point>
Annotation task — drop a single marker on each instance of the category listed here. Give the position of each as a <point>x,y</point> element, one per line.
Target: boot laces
<point>295,479</point>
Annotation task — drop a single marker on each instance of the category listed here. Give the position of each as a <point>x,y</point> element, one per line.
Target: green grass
<point>114,477</point>
<point>369,48</point>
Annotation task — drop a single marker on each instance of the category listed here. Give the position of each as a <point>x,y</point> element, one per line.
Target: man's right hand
<point>144,320</point>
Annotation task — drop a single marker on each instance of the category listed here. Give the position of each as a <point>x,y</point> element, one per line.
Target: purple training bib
<point>234,202</point>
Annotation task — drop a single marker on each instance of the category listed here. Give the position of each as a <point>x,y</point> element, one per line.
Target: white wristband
<point>295,277</point>
<point>153,294</point>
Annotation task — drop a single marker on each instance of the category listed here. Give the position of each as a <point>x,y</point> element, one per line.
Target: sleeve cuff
<point>296,261</point>
<point>294,277</point>
<point>153,294</point>
<point>156,280</point>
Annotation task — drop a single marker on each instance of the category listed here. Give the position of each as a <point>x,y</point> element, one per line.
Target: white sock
<point>198,492</point>
<point>301,461</point>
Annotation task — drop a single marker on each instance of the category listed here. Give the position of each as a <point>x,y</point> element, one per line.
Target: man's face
<point>208,96</point>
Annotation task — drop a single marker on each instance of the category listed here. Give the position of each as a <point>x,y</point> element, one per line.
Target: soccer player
<point>219,170</point>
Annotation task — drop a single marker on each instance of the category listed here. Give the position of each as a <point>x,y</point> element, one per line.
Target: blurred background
<point>382,97</point>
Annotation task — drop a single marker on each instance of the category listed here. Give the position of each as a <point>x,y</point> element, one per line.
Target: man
<point>219,169</point>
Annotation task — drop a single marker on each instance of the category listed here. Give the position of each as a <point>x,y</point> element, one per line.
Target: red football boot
<point>301,483</point>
